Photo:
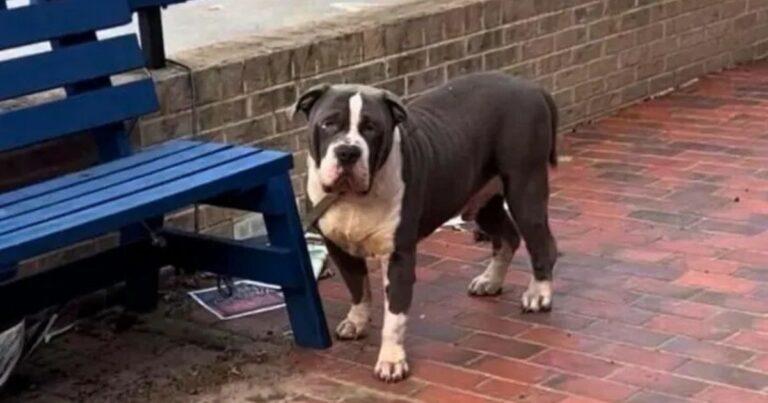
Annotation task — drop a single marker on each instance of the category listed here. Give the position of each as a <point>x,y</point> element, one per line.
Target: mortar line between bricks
<point>377,392</point>
<point>491,377</point>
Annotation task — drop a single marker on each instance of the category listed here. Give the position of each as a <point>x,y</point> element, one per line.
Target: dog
<point>399,172</point>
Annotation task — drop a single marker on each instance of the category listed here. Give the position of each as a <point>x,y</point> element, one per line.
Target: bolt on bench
<point>128,191</point>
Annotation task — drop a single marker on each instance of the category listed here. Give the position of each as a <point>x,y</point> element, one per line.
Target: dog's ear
<point>308,98</point>
<point>396,105</point>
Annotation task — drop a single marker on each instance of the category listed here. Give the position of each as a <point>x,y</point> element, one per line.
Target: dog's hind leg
<point>527,195</point>
<point>355,274</point>
<point>496,223</point>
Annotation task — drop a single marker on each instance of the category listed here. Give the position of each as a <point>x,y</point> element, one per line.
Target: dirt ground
<point>179,353</point>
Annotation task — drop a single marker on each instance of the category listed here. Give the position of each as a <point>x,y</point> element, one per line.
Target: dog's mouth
<point>347,182</point>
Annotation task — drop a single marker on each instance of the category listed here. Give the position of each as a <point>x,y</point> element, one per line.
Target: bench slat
<point>56,197</point>
<point>45,21</point>
<point>23,127</point>
<point>69,65</point>
<point>250,170</point>
<point>99,171</point>
<point>111,193</point>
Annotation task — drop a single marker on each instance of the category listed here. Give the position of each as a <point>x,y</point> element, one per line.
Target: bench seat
<point>105,198</point>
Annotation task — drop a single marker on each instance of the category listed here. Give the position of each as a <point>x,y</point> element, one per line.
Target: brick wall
<point>594,55</point>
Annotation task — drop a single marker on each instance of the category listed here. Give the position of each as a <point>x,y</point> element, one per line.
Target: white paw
<point>484,285</point>
<point>348,330</point>
<point>391,371</point>
<point>392,365</point>
<point>538,297</point>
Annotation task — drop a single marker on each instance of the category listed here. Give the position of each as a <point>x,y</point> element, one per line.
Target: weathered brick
<point>222,113</point>
<point>267,70</point>
<point>373,43</point>
<point>620,42</point>
<point>732,8</point>
<point>492,14</point>
<point>587,53</point>
<point>485,41</point>
<point>304,60</point>
<point>285,121</point>
<point>650,68</point>
<point>619,79</point>
<point>565,97</point>
<point>650,33</point>
<point>603,28</point>
<point>272,100</point>
<point>519,10</point>
<point>503,57</point>
<point>588,13</point>
<point>403,36</point>
<point>636,19</point>
<point>251,130</point>
<point>604,102</point>
<point>446,52</point>
<point>425,80</point>
<point>571,77</point>
<point>455,22</point>
<point>538,47</point>
<point>527,70</point>
<point>174,90</point>
<point>589,89</point>
<point>619,6</point>
<point>633,56</point>
<point>284,142</point>
<point>466,66</point>
<point>519,32</point>
<point>603,67</point>
<point>635,92</point>
<point>555,22</point>
<point>473,17</point>
<point>166,128</point>
<point>368,73</point>
<point>554,62</point>
<point>407,63</point>
<point>350,49</point>
<point>571,37</point>
<point>218,82</point>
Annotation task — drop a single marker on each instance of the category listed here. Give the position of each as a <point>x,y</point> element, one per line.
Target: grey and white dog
<point>402,171</point>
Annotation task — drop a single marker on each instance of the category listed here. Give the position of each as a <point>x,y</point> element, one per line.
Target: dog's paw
<point>348,330</point>
<point>483,285</point>
<point>391,365</point>
<point>391,371</point>
<point>538,297</point>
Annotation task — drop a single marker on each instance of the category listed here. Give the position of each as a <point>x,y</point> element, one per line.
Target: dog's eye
<point>328,125</point>
<point>367,127</point>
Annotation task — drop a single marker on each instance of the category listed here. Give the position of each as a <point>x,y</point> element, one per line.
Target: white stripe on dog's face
<point>331,170</point>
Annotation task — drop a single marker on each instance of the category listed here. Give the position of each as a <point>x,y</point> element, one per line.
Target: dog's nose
<point>347,154</point>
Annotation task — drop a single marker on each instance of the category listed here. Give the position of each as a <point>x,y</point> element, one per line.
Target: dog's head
<point>351,129</point>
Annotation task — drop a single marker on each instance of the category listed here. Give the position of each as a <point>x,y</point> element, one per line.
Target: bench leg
<point>142,283</point>
<point>141,288</point>
<point>305,309</point>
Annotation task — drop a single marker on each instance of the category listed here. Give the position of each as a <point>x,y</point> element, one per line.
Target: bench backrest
<point>79,63</point>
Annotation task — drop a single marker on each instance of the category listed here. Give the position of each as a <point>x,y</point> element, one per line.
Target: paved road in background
<point>203,22</point>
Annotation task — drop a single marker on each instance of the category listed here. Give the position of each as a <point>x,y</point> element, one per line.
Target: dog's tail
<point>554,116</point>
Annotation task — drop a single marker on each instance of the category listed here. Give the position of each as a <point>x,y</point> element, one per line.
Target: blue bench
<point>128,191</point>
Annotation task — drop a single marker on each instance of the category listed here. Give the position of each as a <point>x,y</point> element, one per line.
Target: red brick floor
<point>661,213</point>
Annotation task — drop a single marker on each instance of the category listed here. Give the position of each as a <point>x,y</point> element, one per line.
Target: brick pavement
<point>661,214</point>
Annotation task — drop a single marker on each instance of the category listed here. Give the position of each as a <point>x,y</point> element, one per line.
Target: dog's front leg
<point>355,273</point>
<point>399,275</point>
